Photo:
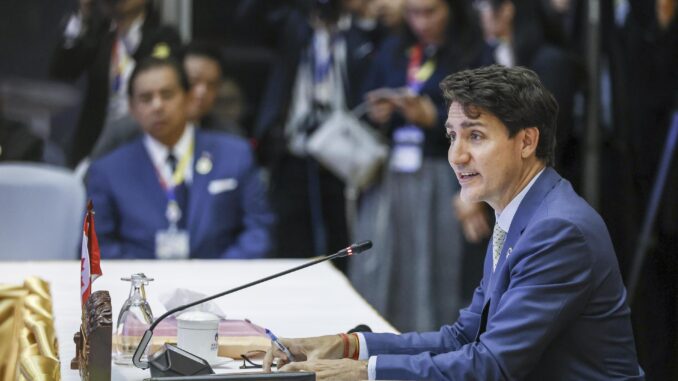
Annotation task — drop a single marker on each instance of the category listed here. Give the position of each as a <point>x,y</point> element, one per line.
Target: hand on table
<point>311,348</point>
<point>344,369</point>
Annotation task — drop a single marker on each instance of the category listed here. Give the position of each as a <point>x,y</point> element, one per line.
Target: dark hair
<point>495,4</point>
<point>150,63</point>
<point>514,95</point>
<point>327,10</point>
<point>207,50</point>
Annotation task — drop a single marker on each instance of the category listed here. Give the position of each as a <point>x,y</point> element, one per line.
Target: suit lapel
<point>533,199</point>
<point>544,184</point>
<point>197,193</point>
<point>145,174</point>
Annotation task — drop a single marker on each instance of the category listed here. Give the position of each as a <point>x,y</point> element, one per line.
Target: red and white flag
<point>90,262</point>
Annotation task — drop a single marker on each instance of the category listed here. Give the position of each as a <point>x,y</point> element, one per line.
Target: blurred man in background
<point>204,67</point>
<point>177,192</point>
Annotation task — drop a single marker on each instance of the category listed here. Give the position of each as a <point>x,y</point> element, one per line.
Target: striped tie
<point>498,238</point>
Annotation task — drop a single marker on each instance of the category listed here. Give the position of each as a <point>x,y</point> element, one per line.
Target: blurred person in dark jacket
<point>419,246</point>
<point>643,35</point>
<point>316,41</point>
<point>103,41</point>
<point>203,63</point>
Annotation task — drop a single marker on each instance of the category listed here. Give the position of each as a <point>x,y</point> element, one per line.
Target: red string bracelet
<point>344,339</point>
<point>356,353</point>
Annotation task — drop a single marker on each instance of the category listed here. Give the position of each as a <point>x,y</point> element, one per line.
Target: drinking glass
<point>134,318</point>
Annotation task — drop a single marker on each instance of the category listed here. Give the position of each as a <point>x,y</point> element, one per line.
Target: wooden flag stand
<point>94,340</point>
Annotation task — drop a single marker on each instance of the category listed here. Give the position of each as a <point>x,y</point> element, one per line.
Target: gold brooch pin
<point>204,164</point>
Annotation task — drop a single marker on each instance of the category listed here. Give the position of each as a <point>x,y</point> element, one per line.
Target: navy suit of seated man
<point>551,304</point>
<point>177,191</point>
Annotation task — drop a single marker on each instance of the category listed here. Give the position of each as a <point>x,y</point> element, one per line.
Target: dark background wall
<point>28,31</point>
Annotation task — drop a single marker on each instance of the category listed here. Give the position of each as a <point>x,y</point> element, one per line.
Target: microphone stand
<point>355,248</point>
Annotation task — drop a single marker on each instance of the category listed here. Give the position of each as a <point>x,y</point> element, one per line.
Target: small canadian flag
<point>90,262</point>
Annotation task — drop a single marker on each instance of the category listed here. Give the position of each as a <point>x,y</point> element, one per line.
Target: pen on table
<point>280,345</point>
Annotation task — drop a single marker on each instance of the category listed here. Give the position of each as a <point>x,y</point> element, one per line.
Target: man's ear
<point>530,140</point>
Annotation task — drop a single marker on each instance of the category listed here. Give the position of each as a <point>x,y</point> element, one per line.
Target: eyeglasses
<point>247,362</point>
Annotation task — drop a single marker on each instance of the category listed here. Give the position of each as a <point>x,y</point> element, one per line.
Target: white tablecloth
<point>314,301</point>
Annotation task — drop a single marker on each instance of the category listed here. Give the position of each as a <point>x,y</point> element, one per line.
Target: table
<point>314,301</point>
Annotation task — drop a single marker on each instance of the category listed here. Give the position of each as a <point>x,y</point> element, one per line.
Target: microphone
<point>354,249</point>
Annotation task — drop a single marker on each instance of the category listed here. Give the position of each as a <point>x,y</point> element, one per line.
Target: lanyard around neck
<point>417,72</point>
<point>179,174</point>
<point>322,56</point>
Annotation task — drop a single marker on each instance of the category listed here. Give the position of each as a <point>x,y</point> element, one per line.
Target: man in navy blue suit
<point>551,304</point>
<point>177,191</point>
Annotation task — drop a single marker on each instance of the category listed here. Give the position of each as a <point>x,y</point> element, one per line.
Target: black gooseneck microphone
<point>355,248</point>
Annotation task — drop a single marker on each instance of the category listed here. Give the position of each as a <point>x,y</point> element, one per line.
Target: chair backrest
<point>41,212</point>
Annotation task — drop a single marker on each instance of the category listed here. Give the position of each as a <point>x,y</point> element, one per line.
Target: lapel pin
<point>204,164</point>
<point>508,252</point>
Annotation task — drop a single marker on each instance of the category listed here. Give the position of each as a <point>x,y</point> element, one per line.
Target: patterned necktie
<point>180,191</point>
<point>498,238</point>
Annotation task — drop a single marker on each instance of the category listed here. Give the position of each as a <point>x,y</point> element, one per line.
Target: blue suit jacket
<point>130,203</point>
<point>555,308</point>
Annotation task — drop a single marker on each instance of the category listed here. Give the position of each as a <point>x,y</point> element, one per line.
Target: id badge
<point>407,153</point>
<point>171,244</point>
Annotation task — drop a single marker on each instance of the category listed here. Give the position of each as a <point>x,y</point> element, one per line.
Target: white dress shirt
<point>506,217</point>
<point>123,61</point>
<point>158,153</point>
<point>503,54</point>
